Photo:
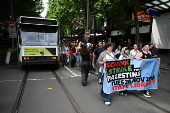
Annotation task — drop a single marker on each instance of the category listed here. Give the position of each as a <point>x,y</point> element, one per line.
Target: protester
<point>118,51</point>
<point>63,53</point>
<point>124,55</point>
<point>85,64</point>
<point>134,51</point>
<point>78,56</point>
<point>97,52</point>
<point>154,50</point>
<point>144,55</point>
<point>72,54</point>
<point>92,49</point>
<point>104,43</point>
<point>107,54</point>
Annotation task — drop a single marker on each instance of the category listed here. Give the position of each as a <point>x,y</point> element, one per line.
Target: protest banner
<point>131,74</point>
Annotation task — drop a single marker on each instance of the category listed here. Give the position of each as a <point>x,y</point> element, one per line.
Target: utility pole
<point>12,20</point>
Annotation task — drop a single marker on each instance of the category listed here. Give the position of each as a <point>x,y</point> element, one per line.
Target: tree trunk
<point>137,37</point>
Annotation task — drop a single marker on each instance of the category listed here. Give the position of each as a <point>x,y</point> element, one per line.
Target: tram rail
<point>70,97</point>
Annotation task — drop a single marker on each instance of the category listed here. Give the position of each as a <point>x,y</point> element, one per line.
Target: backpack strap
<point>109,54</point>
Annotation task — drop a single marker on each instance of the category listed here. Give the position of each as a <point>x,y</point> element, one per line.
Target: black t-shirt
<point>86,57</point>
<point>146,55</point>
<point>98,51</point>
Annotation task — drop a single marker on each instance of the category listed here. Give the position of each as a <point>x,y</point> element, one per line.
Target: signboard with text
<point>12,30</point>
<point>87,33</point>
<point>131,74</point>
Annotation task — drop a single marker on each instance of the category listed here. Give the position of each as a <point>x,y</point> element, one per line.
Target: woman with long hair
<point>85,64</point>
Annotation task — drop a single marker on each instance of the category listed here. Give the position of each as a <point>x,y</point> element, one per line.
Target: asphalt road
<point>44,94</point>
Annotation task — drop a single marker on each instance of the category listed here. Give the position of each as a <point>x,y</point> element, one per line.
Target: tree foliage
<point>113,11</point>
<point>20,8</point>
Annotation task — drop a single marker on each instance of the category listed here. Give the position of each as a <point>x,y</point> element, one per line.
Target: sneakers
<point>100,81</point>
<point>107,103</point>
<point>123,94</point>
<point>147,94</point>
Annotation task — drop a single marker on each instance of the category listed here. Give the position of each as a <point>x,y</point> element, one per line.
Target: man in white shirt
<point>134,51</point>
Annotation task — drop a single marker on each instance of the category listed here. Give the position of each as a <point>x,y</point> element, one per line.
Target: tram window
<point>39,35</point>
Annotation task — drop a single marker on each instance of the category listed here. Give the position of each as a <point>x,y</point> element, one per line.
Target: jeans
<point>106,97</point>
<point>78,60</point>
<point>99,73</point>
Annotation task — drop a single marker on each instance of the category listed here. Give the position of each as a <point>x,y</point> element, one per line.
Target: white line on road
<point>75,75</point>
<point>28,80</point>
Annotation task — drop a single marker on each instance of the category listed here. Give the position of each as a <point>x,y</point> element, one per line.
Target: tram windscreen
<point>38,35</point>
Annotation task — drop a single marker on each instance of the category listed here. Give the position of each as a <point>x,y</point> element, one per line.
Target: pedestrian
<point>72,55</point>
<point>145,54</point>
<point>124,55</point>
<point>107,54</point>
<point>118,51</point>
<point>134,51</point>
<point>78,56</point>
<point>97,52</point>
<point>85,64</point>
<point>104,43</point>
<point>92,49</point>
<point>154,50</point>
<point>63,53</point>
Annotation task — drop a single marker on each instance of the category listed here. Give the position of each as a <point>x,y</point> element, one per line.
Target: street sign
<point>12,24</point>
<point>12,30</point>
<point>87,33</point>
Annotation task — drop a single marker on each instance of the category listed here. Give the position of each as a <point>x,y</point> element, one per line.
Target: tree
<point>20,8</point>
<point>111,10</point>
<point>65,10</point>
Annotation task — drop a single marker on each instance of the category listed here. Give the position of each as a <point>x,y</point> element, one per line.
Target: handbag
<point>73,57</point>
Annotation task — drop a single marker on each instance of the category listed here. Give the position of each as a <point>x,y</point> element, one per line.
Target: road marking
<point>11,81</point>
<point>28,80</point>
<point>41,79</point>
<point>75,75</point>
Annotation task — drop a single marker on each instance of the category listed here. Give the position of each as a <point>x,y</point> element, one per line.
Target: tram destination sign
<point>38,21</point>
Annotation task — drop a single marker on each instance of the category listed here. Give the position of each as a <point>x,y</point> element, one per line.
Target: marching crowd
<point>87,57</point>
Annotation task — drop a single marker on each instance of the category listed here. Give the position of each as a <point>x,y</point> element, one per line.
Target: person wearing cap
<point>145,54</point>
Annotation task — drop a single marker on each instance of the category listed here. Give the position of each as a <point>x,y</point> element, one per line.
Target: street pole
<point>87,22</point>
<point>12,19</point>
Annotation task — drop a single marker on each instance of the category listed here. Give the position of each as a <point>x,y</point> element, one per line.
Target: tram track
<point>149,102</point>
<point>20,93</point>
<point>70,97</point>
<point>22,88</point>
<point>164,89</point>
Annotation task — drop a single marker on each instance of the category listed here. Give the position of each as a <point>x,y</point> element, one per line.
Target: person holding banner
<point>134,51</point>
<point>107,54</point>
<point>124,55</point>
<point>145,54</point>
